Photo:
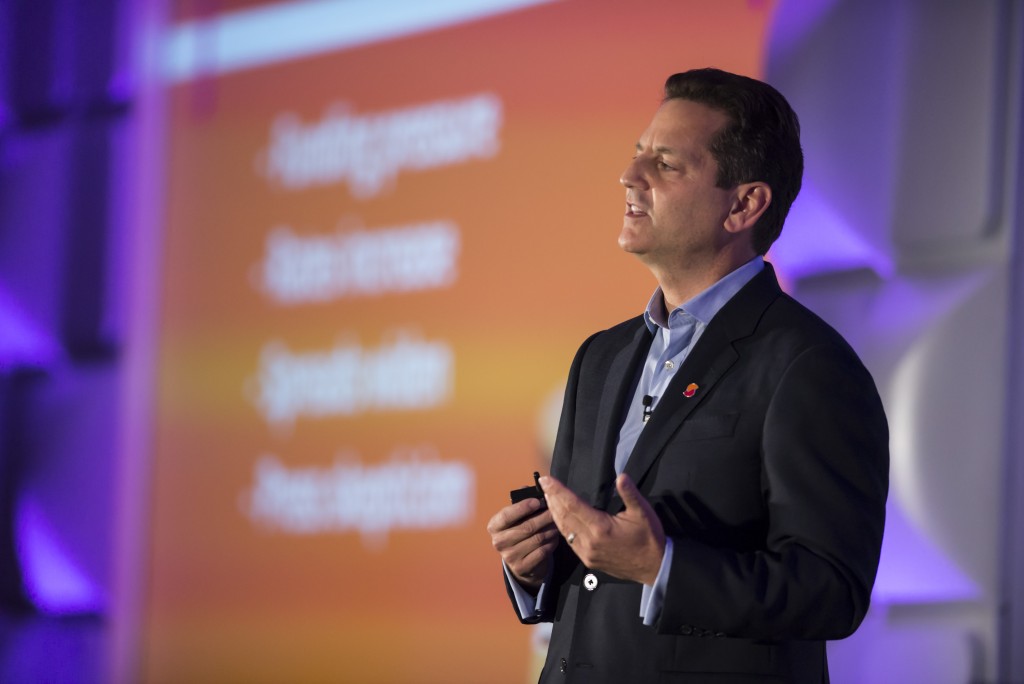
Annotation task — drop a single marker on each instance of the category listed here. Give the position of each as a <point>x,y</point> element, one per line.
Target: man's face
<point>674,212</point>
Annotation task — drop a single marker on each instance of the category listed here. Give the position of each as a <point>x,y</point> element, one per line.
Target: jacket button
<point>590,582</point>
<point>687,630</point>
<point>563,666</point>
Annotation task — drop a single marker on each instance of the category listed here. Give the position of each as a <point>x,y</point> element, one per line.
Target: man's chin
<point>630,247</point>
<point>630,244</point>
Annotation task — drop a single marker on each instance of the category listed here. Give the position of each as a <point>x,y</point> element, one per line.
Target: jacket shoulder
<point>801,327</point>
<point>615,337</point>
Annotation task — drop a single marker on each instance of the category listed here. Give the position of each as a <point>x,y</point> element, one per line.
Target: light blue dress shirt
<point>674,334</point>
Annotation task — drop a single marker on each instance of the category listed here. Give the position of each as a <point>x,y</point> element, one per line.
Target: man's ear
<point>749,204</point>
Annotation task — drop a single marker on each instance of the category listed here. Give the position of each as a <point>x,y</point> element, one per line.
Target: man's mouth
<point>634,210</point>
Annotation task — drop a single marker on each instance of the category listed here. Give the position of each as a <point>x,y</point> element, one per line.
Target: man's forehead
<point>682,126</point>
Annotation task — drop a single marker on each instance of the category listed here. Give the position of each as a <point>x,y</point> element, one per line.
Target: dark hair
<point>761,142</point>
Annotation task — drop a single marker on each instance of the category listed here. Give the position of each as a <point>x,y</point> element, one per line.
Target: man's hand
<point>525,539</point>
<point>629,545</point>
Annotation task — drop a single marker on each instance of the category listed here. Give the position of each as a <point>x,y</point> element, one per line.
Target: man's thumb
<point>628,491</point>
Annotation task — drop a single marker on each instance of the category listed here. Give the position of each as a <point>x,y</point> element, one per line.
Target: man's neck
<point>681,284</point>
<point>676,290</point>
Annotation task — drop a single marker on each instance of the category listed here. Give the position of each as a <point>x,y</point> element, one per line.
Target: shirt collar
<point>705,305</point>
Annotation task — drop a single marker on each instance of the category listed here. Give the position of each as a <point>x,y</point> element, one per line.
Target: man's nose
<point>631,176</point>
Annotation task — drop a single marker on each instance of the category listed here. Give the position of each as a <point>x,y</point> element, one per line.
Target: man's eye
<point>666,167</point>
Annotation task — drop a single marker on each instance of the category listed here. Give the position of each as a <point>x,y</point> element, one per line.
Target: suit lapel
<point>709,361</point>
<point>705,365</point>
<point>618,389</point>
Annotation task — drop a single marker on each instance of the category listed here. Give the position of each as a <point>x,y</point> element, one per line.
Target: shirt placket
<point>677,338</point>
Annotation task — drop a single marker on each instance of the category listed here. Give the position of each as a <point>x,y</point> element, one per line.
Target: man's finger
<point>629,494</point>
<point>518,539</point>
<point>572,514</point>
<point>561,500</point>
<point>512,515</point>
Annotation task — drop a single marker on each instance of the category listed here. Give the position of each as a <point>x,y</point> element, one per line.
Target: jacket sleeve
<point>564,561</point>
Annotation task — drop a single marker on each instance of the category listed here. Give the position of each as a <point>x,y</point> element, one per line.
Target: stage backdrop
<point>380,255</point>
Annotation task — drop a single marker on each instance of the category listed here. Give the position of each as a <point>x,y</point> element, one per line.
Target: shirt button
<point>590,582</point>
<point>669,365</point>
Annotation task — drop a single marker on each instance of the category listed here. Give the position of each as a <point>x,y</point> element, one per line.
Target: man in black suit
<point>717,493</point>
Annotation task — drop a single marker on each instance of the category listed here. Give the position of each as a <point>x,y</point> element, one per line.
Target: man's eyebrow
<point>661,149</point>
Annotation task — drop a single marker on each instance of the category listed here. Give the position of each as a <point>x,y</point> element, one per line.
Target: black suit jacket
<point>771,480</point>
